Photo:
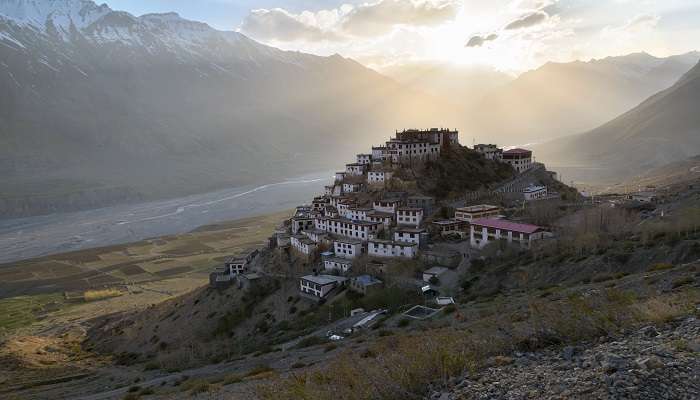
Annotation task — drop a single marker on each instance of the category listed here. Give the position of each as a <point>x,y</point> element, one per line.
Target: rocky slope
<point>645,364</point>
<point>96,100</point>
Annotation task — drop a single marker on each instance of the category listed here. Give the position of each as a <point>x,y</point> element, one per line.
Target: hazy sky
<point>511,35</point>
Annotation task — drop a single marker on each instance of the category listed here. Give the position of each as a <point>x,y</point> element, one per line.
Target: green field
<point>18,312</point>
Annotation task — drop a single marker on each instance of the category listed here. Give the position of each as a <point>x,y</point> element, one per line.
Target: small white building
<point>301,224</point>
<point>409,216</point>
<point>409,235</point>
<point>347,248</point>
<point>339,264</point>
<point>519,159</point>
<point>317,236</point>
<point>489,151</point>
<point>303,245</point>
<point>344,207</point>
<point>644,197</point>
<point>379,153</point>
<point>434,272</point>
<point>236,266</point>
<point>364,159</point>
<point>467,214</point>
<point>352,187</point>
<point>362,230</point>
<point>388,206</point>
<point>385,218</point>
<point>355,169</point>
<point>340,176</point>
<point>378,177</point>
<point>388,248</point>
<point>534,192</point>
<point>358,213</point>
<point>484,231</point>
<point>320,286</point>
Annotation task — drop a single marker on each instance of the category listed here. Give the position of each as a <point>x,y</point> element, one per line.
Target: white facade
<point>320,285</point>
<point>337,264</point>
<point>344,207</point>
<point>236,267</point>
<point>408,235</point>
<point>388,248</point>
<point>358,214</point>
<point>364,159</point>
<point>388,206</point>
<point>347,248</point>
<point>409,216</point>
<point>385,219</point>
<point>379,153</point>
<point>355,169</point>
<point>408,150</point>
<point>339,176</point>
<point>378,177</point>
<point>362,230</point>
<point>483,232</point>
<point>303,244</point>
<point>519,159</point>
<point>352,187</point>
<point>489,151</point>
<point>301,224</point>
<point>534,193</point>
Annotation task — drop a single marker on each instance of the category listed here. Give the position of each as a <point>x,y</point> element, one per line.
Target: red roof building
<point>485,230</point>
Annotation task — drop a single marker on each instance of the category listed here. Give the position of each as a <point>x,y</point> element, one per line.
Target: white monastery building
<point>388,248</point>
<point>486,230</point>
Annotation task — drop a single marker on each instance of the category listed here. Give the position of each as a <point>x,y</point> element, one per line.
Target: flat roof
<point>448,222</point>
<point>348,240</point>
<point>517,151</point>
<point>478,208</point>
<point>393,243</point>
<point>324,279</point>
<point>338,260</point>
<point>410,230</point>
<point>380,214</point>
<point>409,209</point>
<point>531,189</point>
<point>436,270</point>
<point>506,225</point>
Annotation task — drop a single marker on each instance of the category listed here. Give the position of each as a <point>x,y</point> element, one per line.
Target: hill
<point>558,99</point>
<point>663,129</point>
<point>100,106</point>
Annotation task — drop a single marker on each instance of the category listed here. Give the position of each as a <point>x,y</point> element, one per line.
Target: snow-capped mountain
<point>96,102</point>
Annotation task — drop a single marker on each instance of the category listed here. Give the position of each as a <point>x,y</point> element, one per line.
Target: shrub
<point>686,280</point>
<point>95,295</point>
<point>330,347</point>
<point>450,308</point>
<point>661,267</point>
<point>311,341</point>
<point>403,322</point>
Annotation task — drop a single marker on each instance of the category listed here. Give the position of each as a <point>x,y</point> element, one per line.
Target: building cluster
<point>359,217</point>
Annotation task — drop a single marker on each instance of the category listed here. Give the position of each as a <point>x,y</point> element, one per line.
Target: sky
<point>508,35</point>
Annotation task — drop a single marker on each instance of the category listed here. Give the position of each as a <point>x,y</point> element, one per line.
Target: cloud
<point>379,18</point>
<point>527,21</point>
<point>640,23</point>
<point>478,41</point>
<point>365,20</point>
<point>278,24</point>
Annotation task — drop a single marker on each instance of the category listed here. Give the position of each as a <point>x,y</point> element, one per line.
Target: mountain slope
<point>560,98</point>
<point>663,129</point>
<point>102,106</point>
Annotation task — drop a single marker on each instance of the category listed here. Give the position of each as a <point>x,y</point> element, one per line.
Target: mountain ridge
<point>160,106</point>
<point>664,128</point>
